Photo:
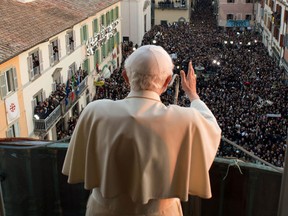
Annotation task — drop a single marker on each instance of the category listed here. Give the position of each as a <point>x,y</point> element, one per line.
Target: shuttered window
<point>117,38</point>
<point>96,57</point>
<point>70,42</point>
<point>117,12</point>
<point>13,130</point>
<point>95,26</point>
<point>84,34</point>
<point>108,18</point>
<point>103,52</point>
<point>8,82</point>
<point>35,64</point>
<point>86,65</point>
<point>3,87</point>
<point>112,15</point>
<point>103,20</point>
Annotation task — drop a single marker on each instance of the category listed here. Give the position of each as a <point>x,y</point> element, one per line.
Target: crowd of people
<point>171,4</point>
<point>245,90</point>
<point>241,83</point>
<point>62,92</point>
<point>65,132</point>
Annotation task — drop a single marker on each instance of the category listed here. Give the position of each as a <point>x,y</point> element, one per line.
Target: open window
<point>70,42</point>
<point>54,51</point>
<point>35,64</point>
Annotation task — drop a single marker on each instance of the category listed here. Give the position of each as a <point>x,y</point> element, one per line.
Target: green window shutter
<point>108,18</point>
<point>117,38</point>
<point>103,20</point>
<point>107,48</point>
<point>103,52</point>
<point>88,66</point>
<point>3,87</point>
<point>96,58</point>
<point>117,12</point>
<point>15,81</point>
<point>95,26</point>
<point>112,42</point>
<point>81,35</point>
<point>108,45</point>
<point>85,31</point>
<point>112,15</point>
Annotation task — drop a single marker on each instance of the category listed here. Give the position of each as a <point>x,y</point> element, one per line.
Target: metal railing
<point>41,125</point>
<point>82,86</point>
<point>170,5</point>
<point>68,102</point>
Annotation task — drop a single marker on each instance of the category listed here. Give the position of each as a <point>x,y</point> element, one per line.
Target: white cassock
<point>141,157</point>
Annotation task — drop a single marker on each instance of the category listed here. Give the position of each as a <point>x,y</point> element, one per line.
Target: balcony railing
<point>170,5</point>
<point>41,125</point>
<point>73,96</point>
<point>68,102</point>
<point>238,188</point>
<point>82,86</point>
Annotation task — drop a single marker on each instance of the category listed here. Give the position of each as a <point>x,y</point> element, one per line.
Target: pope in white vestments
<point>138,156</point>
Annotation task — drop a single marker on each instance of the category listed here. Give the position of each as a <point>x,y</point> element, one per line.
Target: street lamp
<point>36,117</point>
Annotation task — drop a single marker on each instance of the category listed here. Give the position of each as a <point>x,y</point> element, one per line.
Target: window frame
<point>103,21</point>
<point>250,15</point>
<point>229,15</point>
<point>70,46</point>
<point>54,56</point>
<point>13,130</point>
<point>34,71</point>
<point>84,34</point>
<point>95,25</point>
<point>8,82</point>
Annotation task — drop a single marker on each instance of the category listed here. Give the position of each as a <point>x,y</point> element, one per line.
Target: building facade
<point>236,13</point>
<point>272,18</point>
<point>59,67</point>
<point>170,11</point>
<point>137,17</point>
<point>13,117</point>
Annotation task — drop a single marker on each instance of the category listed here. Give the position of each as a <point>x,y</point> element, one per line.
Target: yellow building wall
<point>171,15</point>
<point>3,115</point>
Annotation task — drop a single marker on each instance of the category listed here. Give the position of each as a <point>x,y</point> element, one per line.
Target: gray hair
<point>148,67</point>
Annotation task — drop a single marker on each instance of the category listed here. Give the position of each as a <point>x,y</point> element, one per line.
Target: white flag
<point>12,108</point>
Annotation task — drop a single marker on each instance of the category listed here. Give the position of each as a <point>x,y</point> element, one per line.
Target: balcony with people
<point>47,112</point>
<point>172,4</point>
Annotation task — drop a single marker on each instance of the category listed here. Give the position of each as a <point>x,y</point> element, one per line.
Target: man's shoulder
<point>103,104</point>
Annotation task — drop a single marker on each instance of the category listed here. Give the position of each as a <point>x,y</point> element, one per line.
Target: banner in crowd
<point>238,23</point>
<point>272,115</point>
<point>99,83</point>
<point>12,108</point>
